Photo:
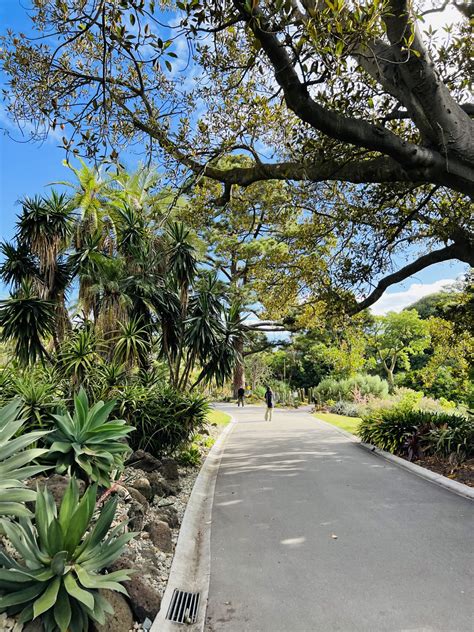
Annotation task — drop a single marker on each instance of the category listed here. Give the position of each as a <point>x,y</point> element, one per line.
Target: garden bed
<point>152,497</point>
<point>462,473</point>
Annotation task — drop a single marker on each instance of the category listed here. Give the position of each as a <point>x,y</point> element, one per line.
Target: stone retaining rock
<point>160,535</point>
<point>144,487</point>
<point>56,484</point>
<point>161,487</point>
<point>169,469</point>
<point>122,619</point>
<point>143,461</point>
<point>168,514</point>
<point>145,600</point>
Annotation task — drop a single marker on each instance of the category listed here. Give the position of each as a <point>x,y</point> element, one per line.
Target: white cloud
<point>396,301</point>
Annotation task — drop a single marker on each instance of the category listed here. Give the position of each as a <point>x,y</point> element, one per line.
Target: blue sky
<point>26,169</point>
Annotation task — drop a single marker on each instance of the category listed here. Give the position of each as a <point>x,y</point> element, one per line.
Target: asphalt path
<point>311,533</point>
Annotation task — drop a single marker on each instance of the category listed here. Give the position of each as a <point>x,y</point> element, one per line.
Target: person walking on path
<point>240,396</point>
<point>269,402</point>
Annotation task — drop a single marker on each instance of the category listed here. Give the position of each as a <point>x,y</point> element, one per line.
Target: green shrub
<point>406,399</point>
<point>59,576</point>
<point>350,388</point>
<point>393,430</point>
<point>190,456</point>
<point>87,443</point>
<point>39,390</point>
<point>345,408</point>
<point>14,459</point>
<point>455,438</point>
<point>165,418</point>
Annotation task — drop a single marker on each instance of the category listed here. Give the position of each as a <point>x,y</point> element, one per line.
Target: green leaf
<point>80,519</point>
<point>58,563</point>
<point>62,610</point>
<point>77,592</point>
<point>20,596</point>
<point>68,504</point>
<point>47,599</point>
<point>93,581</point>
<point>14,509</point>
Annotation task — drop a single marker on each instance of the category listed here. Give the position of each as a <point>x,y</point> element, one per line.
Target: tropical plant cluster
<point>419,433</point>
<point>141,293</point>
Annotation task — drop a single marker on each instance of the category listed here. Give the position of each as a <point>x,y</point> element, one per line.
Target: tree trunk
<point>239,369</point>
<point>390,380</point>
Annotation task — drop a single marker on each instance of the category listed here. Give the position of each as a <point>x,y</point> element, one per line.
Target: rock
<point>161,487</point>
<point>168,514</point>
<point>143,461</point>
<point>136,514</point>
<point>169,469</point>
<point>160,535</point>
<point>122,620</point>
<point>137,496</point>
<point>145,600</point>
<point>56,484</point>
<point>144,487</point>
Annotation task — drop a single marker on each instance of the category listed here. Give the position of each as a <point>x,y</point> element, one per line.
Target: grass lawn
<point>341,421</point>
<point>218,417</point>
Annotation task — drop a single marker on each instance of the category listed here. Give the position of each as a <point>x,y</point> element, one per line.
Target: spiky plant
<point>59,577</point>
<point>87,443</point>
<point>79,355</point>
<point>28,321</point>
<point>45,226</point>
<point>18,264</point>
<point>132,343</point>
<point>15,461</point>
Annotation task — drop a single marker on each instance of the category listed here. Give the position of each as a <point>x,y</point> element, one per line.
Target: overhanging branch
<point>436,256</point>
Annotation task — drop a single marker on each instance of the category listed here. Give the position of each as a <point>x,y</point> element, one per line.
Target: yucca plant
<point>87,443</point>
<point>13,462</point>
<point>28,321</point>
<point>132,342</point>
<point>59,576</point>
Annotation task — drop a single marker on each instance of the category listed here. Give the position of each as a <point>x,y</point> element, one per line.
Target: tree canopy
<point>364,106</point>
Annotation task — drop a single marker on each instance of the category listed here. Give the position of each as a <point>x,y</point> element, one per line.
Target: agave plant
<point>13,462</point>
<point>62,559</point>
<point>86,443</point>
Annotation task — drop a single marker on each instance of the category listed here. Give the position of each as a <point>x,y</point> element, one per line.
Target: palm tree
<point>91,198</point>
<point>111,299</point>
<point>44,228</point>
<point>137,190</point>
<point>86,263</point>
<point>27,320</point>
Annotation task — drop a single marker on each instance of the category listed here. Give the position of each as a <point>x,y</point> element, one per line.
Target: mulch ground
<point>463,473</point>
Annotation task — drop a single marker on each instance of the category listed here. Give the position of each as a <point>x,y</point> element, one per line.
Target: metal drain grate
<point>183,607</point>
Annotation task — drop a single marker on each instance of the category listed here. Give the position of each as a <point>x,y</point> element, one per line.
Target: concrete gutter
<point>190,569</point>
<point>423,472</point>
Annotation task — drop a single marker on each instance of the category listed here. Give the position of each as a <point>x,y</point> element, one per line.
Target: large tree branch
<point>358,132</point>
<point>454,251</point>
<point>450,127</point>
<point>375,170</point>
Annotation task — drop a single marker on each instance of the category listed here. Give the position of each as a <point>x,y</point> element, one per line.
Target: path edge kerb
<point>190,569</point>
<point>438,479</point>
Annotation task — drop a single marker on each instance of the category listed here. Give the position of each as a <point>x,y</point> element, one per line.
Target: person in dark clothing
<point>240,396</point>
<point>269,402</point>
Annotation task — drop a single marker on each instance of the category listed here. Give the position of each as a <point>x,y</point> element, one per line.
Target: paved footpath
<point>403,558</point>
